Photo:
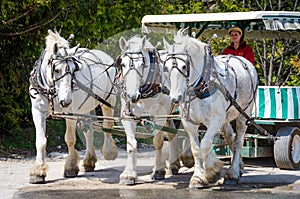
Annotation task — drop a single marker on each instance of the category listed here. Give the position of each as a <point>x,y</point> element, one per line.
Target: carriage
<point>276,110</point>
<point>277,107</point>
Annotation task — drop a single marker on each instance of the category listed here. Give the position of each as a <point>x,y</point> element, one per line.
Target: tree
<point>23,28</point>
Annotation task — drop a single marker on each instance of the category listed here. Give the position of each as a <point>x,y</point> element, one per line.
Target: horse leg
<point>164,152</point>
<point>160,160</point>
<point>71,165</point>
<point>38,172</point>
<point>186,154</point>
<point>233,173</point>
<point>184,147</point>
<point>109,149</point>
<point>198,179</point>
<point>212,165</point>
<point>229,138</point>
<point>173,150</point>
<point>90,159</point>
<point>129,175</point>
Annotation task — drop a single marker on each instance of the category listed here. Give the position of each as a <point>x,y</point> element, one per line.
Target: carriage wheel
<point>287,148</point>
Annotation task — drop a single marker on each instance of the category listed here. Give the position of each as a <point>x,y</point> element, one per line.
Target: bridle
<point>200,85</point>
<point>132,67</point>
<point>60,59</point>
<point>176,56</point>
<point>203,86</point>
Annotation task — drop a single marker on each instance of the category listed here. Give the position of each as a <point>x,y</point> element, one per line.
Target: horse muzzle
<point>65,103</point>
<point>134,98</point>
<point>177,100</point>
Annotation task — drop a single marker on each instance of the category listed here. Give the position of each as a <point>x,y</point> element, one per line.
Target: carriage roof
<point>256,24</point>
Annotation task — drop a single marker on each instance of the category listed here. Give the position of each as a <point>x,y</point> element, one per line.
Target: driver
<point>238,46</point>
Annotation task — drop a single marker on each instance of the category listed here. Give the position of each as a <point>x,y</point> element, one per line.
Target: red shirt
<point>243,50</point>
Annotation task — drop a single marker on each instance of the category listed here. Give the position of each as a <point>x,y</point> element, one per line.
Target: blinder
<point>175,57</point>
<point>60,59</point>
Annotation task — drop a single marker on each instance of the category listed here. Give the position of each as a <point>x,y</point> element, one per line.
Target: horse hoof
<point>88,168</point>
<point>188,162</point>
<point>127,182</point>
<point>158,175</point>
<point>37,180</point>
<point>230,182</point>
<point>70,174</point>
<point>174,171</point>
<point>198,186</point>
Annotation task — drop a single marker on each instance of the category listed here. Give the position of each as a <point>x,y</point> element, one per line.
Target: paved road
<point>261,179</point>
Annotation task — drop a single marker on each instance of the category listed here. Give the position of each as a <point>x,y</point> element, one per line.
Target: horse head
<point>60,68</point>
<point>179,63</point>
<point>137,55</point>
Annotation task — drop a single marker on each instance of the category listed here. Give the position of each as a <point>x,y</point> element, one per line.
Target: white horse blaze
<point>178,87</point>
<point>64,91</point>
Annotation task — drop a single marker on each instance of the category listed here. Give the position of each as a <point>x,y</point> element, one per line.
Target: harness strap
<point>91,93</point>
<point>250,120</point>
<point>203,87</point>
<point>151,87</point>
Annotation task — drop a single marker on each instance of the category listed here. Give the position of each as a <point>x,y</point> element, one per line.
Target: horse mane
<point>189,43</point>
<point>54,38</point>
<point>135,44</point>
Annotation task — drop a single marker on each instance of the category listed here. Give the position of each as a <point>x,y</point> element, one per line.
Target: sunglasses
<point>235,35</point>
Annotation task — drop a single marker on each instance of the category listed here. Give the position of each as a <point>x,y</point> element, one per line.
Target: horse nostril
<point>134,98</point>
<point>65,104</point>
<point>62,103</point>
<point>179,98</point>
<point>175,101</point>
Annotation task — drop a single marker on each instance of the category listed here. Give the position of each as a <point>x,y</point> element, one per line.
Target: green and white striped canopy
<point>277,103</point>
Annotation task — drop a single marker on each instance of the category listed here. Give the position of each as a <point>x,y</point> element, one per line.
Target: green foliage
<point>23,28</point>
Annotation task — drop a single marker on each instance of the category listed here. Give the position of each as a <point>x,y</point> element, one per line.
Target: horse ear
<point>77,47</point>
<point>55,49</point>
<point>50,32</point>
<point>122,43</point>
<point>144,41</point>
<point>184,31</point>
<point>74,50</point>
<point>166,44</point>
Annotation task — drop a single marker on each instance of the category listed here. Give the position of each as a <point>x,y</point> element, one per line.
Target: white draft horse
<point>209,91</point>
<point>144,92</point>
<point>69,80</point>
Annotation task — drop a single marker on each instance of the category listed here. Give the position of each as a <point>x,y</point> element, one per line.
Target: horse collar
<point>204,87</point>
<point>152,87</point>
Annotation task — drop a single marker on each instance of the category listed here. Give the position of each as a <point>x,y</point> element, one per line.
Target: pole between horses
<point>75,116</point>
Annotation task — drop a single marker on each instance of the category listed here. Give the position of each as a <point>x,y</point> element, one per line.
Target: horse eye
<point>183,67</point>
